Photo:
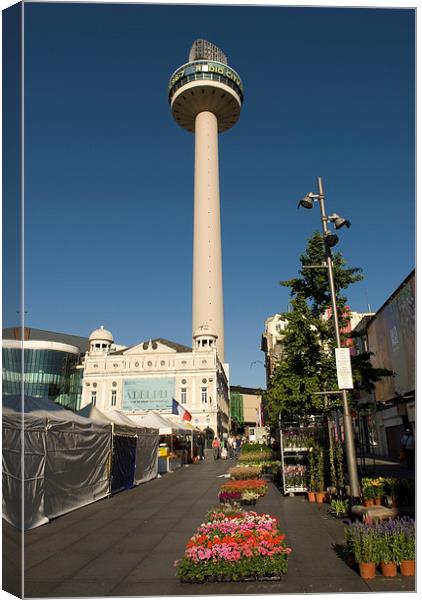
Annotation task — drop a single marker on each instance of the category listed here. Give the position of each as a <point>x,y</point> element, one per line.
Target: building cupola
<point>204,338</point>
<point>100,341</point>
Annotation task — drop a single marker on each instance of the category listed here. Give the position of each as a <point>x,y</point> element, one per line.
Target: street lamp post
<point>347,418</point>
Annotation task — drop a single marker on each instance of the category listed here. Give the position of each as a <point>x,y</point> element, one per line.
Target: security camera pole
<point>347,419</point>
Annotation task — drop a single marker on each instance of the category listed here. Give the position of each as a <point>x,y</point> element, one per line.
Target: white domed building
<point>150,374</point>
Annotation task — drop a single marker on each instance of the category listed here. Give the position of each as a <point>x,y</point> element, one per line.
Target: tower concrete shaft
<point>206,97</point>
<point>207,288</point>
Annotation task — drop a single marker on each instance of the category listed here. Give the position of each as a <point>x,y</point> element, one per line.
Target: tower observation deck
<point>205,97</point>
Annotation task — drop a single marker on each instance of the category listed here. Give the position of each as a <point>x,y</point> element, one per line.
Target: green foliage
<point>312,472</point>
<point>339,508</point>
<point>320,469</point>
<point>308,363</point>
<point>363,542</point>
<point>224,570</point>
<point>255,447</point>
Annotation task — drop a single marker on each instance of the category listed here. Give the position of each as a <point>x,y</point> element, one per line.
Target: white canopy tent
<point>146,457</point>
<point>66,461</point>
<point>164,424</point>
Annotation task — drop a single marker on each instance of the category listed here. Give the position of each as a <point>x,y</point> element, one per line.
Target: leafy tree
<point>308,362</point>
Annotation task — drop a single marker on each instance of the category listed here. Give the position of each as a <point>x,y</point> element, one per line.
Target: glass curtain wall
<point>47,374</point>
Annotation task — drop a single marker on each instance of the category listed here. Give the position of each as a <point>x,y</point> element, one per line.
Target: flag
<point>179,410</point>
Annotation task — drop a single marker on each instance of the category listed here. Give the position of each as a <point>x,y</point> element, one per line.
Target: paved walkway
<point>126,545</point>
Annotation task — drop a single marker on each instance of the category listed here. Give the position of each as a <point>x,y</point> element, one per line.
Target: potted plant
<point>389,547</point>
<point>406,535</point>
<point>367,491</point>
<point>320,476</point>
<point>391,488</point>
<point>339,508</point>
<point>364,544</point>
<point>229,496</point>
<point>249,497</point>
<point>312,480</point>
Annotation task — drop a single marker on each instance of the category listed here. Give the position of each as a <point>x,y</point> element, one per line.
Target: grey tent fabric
<point>33,430</point>
<point>146,454</point>
<point>146,461</point>
<point>66,460</point>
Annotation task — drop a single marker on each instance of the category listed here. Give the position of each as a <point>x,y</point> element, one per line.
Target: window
<point>183,396</point>
<point>204,394</point>
<point>93,398</point>
<point>113,397</point>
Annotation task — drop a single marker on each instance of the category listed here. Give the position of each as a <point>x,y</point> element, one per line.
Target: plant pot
<point>320,497</point>
<point>394,502</point>
<point>407,568</point>
<point>377,501</point>
<point>311,496</point>
<point>368,502</point>
<point>388,569</point>
<point>367,570</point>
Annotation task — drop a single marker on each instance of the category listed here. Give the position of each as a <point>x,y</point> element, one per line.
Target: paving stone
<point>127,545</point>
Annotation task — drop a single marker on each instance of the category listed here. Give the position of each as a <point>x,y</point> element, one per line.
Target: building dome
<point>204,330</point>
<point>102,335</point>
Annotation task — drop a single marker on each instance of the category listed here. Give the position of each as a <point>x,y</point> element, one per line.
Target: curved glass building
<point>50,370</point>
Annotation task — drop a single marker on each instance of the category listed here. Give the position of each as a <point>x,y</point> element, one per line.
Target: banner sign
<point>344,369</point>
<point>152,393</point>
<point>208,67</point>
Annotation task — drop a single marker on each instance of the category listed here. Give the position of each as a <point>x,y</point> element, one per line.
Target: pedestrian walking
<point>408,447</point>
<point>230,443</point>
<point>216,448</point>
<point>237,445</point>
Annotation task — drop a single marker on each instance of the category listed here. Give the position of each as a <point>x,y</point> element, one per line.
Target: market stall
<point>173,442</point>
<point>66,461</point>
<point>123,447</point>
<point>146,464</point>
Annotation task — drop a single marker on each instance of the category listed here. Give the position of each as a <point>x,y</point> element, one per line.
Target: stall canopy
<point>135,448</point>
<point>66,460</point>
<point>165,426</point>
<point>146,447</point>
<point>123,447</point>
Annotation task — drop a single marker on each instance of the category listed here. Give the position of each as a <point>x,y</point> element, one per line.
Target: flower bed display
<point>256,456</point>
<point>246,546</point>
<point>245,472</point>
<point>241,485</point>
<point>229,496</point>
<point>266,466</point>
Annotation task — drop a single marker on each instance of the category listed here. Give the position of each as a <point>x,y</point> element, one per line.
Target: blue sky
<point>109,174</point>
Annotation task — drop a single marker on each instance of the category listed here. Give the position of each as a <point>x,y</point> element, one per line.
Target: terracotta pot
<point>407,568</point>
<point>367,570</point>
<point>311,496</point>
<point>394,502</point>
<point>388,569</point>
<point>320,497</point>
<point>369,502</point>
<point>377,501</point>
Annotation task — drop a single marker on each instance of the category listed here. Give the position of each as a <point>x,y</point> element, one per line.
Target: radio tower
<point>205,97</point>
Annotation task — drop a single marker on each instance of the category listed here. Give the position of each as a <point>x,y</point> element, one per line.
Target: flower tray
<point>229,579</point>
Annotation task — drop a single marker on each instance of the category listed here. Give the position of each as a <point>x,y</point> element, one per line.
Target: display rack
<point>296,442</point>
<point>293,463</point>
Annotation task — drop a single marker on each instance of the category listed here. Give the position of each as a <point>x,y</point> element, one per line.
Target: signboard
<point>151,393</point>
<point>344,369</point>
<point>209,67</point>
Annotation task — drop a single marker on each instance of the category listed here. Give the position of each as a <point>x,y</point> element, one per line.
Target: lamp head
<point>331,239</point>
<point>339,221</point>
<point>307,201</point>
